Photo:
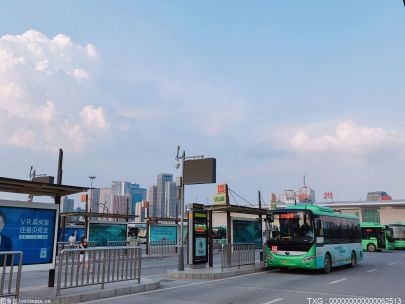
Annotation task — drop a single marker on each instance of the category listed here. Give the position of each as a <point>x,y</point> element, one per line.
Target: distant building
<point>105,200</point>
<point>304,195</point>
<point>288,197</point>
<point>382,211</point>
<point>67,204</point>
<point>128,194</point>
<point>94,199</point>
<point>378,196</point>
<point>166,200</point>
<point>152,198</point>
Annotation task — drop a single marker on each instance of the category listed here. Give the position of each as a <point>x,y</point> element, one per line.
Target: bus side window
<point>318,227</point>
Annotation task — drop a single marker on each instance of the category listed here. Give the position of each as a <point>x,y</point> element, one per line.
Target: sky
<point>273,90</point>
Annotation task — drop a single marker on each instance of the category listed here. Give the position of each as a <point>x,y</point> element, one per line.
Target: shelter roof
<point>37,188</point>
<point>236,209</point>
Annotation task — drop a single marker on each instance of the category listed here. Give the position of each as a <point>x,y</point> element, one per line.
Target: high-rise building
<point>137,195</point>
<point>166,201</point>
<point>152,198</point>
<point>94,199</point>
<point>131,193</point>
<point>67,204</point>
<point>120,204</point>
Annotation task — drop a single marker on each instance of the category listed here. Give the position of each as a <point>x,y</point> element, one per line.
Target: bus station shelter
<point>39,188</point>
<point>229,209</point>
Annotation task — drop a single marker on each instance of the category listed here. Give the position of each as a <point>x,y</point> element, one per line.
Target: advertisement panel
<point>163,233</point>
<point>102,232</point>
<point>76,230</point>
<point>247,231</point>
<point>30,228</point>
<point>198,221</point>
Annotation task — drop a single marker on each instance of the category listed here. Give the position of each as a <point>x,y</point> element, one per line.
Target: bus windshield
<point>398,232</point>
<point>292,225</point>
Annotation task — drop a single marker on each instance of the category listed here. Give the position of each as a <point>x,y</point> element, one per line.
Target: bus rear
<point>373,236</point>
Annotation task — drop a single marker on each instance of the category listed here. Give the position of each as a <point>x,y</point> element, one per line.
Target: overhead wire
<point>234,193</point>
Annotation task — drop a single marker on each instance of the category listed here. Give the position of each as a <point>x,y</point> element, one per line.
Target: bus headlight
<point>308,259</point>
<point>270,258</point>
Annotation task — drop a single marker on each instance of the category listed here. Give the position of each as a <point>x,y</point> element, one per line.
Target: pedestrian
<point>72,240</point>
<point>84,255</point>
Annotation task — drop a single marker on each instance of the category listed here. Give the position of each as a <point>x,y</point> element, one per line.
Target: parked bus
<point>312,237</point>
<point>373,236</point>
<point>396,236</point>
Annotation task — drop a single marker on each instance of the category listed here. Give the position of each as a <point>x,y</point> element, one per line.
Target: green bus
<point>396,236</point>
<point>373,236</point>
<point>312,237</point>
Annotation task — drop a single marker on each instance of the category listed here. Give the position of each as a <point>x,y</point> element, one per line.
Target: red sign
<point>328,195</point>
<point>287,215</point>
<point>274,249</point>
<point>222,188</point>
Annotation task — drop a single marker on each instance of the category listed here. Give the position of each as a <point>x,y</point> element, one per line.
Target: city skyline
<point>274,91</point>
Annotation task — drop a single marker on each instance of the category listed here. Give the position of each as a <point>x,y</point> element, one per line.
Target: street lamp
<point>91,189</point>
<point>181,249</point>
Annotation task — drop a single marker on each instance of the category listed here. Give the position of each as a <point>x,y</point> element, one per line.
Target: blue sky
<point>274,90</point>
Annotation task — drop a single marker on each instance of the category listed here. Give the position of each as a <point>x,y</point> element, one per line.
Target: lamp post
<point>181,248</point>
<point>91,189</point>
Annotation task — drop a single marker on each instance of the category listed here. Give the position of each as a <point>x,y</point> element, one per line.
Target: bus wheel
<point>353,260</point>
<point>371,247</point>
<point>327,264</point>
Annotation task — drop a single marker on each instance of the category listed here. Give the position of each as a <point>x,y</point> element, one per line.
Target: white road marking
<point>337,281</point>
<point>371,270</point>
<point>274,301</point>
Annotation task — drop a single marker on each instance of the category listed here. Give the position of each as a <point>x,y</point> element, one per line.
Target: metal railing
<point>10,273</point>
<point>72,245</point>
<point>92,266</point>
<point>163,247</point>
<point>236,255</point>
<point>118,243</point>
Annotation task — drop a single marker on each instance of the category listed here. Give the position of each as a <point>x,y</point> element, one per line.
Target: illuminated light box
<point>32,229</point>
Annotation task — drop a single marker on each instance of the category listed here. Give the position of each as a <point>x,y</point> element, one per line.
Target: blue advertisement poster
<point>30,229</point>
<point>163,233</point>
<point>77,230</point>
<point>101,233</point>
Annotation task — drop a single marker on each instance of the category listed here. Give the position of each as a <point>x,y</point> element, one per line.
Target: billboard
<point>247,231</point>
<point>199,171</point>
<point>32,229</point>
<point>102,232</point>
<point>78,230</point>
<point>163,233</point>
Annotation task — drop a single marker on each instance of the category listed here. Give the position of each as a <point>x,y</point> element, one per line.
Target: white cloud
<point>94,118</point>
<point>23,138</point>
<point>348,138</point>
<point>80,74</point>
<point>43,86</point>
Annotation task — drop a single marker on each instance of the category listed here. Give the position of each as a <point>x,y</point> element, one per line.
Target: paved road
<point>379,276</point>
